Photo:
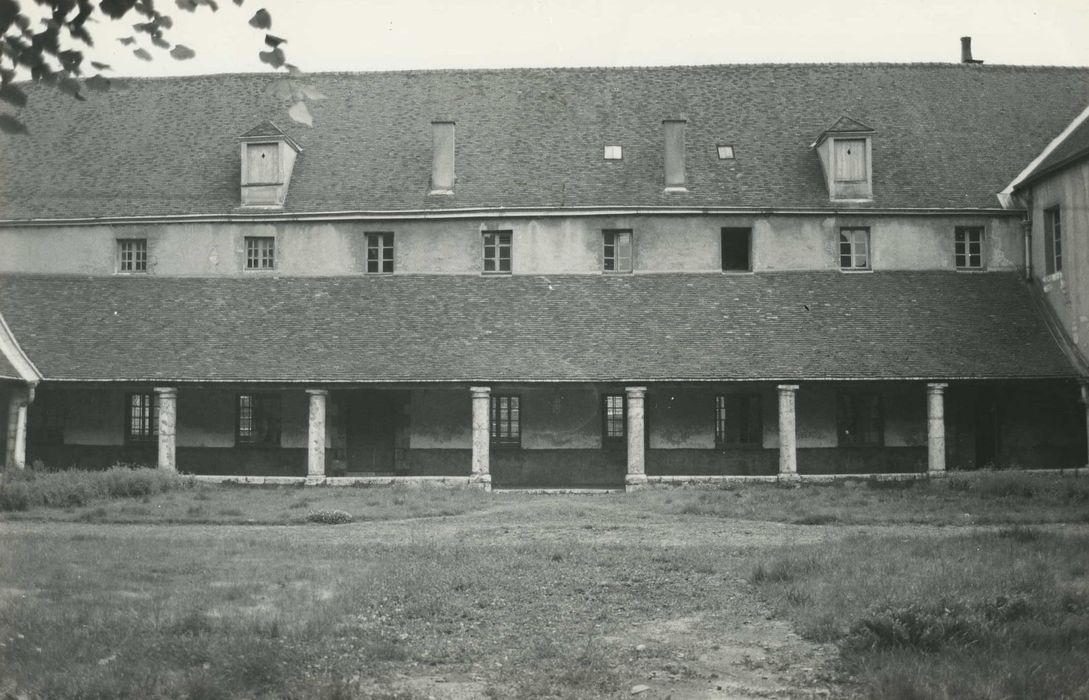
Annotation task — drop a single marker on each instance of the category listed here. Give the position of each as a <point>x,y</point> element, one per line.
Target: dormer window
<point>844,150</point>
<point>268,157</point>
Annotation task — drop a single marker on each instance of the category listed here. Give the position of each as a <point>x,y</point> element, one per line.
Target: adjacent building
<point>552,277</point>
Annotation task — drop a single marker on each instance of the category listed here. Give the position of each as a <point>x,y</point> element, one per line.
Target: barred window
<point>132,255</point>
<point>614,414</point>
<point>260,253</point>
<point>859,419</point>
<point>258,420</point>
<point>506,421</point>
<point>379,252</point>
<point>1053,241</point>
<point>618,251</point>
<point>968,247</point>
<point>738,420</point>
<point>497,252</point>
<point>854,248</point>
<point>141,417</point>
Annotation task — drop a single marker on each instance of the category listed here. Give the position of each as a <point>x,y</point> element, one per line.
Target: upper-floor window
<point>497,252</point>
<point>506,421</point>
<point>850,160</point>
<point>1053,241</point>
<point>260,253</point>
<point>968,247</point>
<point>618,251</point>
<point>132,255</point>
<point>738,420</point>
<point>262,165</point>
<point>379,252</point>
<point>141,417</point>
<point>613,419</point>
<point>258,420</point>
<point>859,418</point>
<point>854,248</point>
<point>737,249</point>
<point>614,153</point>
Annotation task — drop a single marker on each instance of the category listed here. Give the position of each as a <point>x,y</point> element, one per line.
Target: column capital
<point>166,390</point>
<point>785,388</point>
<point>318,392</point>
<point>936,387</point>
<point>635,392</point>
<point>481,392</point>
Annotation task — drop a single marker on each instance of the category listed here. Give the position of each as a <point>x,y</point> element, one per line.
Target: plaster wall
<point>440,419</point>
<point>1068,290</point>
<point>543,245</point>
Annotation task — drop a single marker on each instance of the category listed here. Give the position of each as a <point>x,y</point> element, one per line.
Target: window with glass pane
<point>618,256</point>
<point>497,252</point>
<point>141,417</point>
<point>738,420</point>
<point>859,419</point>
<point>258,420</point>
<point>379,252</point>
<point>1053,241</point>
<point>968,247</point>
<point>506,421</point>
<point>613,418</point>
<point>854,248</point>
<point>132,255</point>
<point>260,253</point>
<point>736,249</point>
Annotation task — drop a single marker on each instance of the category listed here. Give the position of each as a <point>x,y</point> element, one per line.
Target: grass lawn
<point>967,587</point>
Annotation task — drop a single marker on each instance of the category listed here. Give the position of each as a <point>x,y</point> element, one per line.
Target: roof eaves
<point>10,349</point>
<point>1028,174</point>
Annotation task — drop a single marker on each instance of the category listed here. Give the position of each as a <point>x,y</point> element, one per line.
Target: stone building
<point>549,277</point>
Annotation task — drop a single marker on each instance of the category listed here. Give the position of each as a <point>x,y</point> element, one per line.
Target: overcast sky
<point>354,35</point>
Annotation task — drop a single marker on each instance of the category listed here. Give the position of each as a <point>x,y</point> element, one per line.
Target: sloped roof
<point>7,370</point>
<point>1072,147</point>
<point>407,328</point>
<point>265,128</point>
<point>948,136</point>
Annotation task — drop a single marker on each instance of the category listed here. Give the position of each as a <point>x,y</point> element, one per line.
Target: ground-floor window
<point>506,418</point>
<point>258,420</point>
<point>859,418</point>
<point>738,421</point>
<point>614,415</point>
<point>141,417</point>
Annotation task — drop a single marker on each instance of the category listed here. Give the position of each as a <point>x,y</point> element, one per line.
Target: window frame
<point>962,247</point>
<point>727,230</point>
<point>845,434</point>
<point>1053,240</point>
<point>863,142</point>
<point>728,439</point>
<point>512,439</point>
<point>259,408</point>
<point>614,441</point>
<point>259,254</point>
<point>383,242</point>
<point>852,244</point>
<point>614,152</point>
<point>498,245</point>
<point>248,177</point>
<point>616,235</point>
<point>146,424</point>
<point>139,257</point>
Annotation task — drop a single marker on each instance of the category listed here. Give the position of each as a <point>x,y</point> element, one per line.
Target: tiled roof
<point>404,328</point>
<point>1072,148</point>
<point>947,136</point>
<point>7,370</point>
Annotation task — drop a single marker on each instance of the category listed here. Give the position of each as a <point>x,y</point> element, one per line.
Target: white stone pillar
<point>168,421</point>
<point>315,434</point>
<point>482,436</point>
<point>17,411</point>
<point>935,427</point>
<point>637,468</point>
<point>788,441</point>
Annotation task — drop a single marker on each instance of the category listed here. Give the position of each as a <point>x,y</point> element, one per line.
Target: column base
<point>634,482</point>
<point>481,481</point>
<point>315,479</point>
<point>790,479</point>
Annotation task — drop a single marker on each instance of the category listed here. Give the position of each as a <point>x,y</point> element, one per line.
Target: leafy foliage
<point>51,49</point>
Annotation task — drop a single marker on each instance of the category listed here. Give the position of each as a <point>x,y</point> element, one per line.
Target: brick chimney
<point>966,50</point>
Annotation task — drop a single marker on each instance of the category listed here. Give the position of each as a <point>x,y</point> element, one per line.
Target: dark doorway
<point>986,430</point>
<point>373,419</point>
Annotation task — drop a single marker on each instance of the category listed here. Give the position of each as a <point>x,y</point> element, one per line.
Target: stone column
<point>788,441</point>
<point>637,468</point>
<point>315,435</point>
<point>935,428</point>
<point>16,427</point>
<point>168,421</point>
<point>482,436</point>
